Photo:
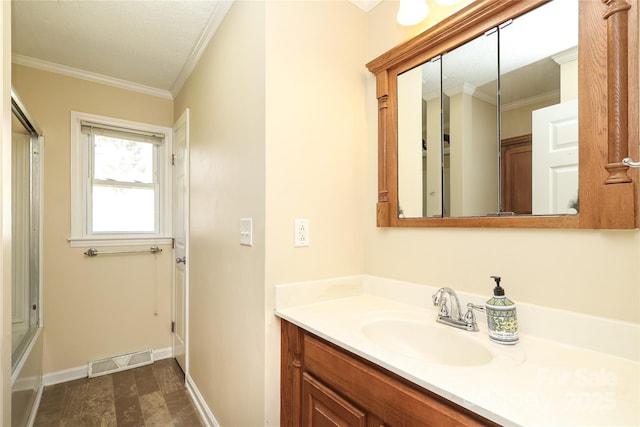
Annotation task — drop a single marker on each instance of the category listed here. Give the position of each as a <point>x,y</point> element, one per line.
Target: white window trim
<point>79,159</point>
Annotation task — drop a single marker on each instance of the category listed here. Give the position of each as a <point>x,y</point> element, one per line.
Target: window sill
<point>87,242</point>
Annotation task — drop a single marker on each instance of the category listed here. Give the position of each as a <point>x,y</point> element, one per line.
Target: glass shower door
<point>25,218</point>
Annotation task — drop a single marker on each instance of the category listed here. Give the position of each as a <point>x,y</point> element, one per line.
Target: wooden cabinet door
<point>322,407</point>
<point>323,385</point>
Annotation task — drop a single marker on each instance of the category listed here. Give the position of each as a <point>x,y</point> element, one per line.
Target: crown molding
<point>553,95</point>
<point>39,64</point>
<point>566,56</point>
<point>214,22</point>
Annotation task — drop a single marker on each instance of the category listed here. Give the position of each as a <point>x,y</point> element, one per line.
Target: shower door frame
<point>21,352</point>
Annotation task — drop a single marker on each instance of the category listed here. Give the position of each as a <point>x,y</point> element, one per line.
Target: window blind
<point>90,128</point>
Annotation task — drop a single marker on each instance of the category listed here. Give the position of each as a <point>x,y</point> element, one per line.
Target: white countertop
<point>535,382</point>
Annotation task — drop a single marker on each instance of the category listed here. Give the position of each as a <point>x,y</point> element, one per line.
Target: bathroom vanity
<point>367,351</point>
<point>323,384</point>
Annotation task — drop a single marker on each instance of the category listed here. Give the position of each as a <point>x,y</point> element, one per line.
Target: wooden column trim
<point>382,88</point>
<point>617,90</point>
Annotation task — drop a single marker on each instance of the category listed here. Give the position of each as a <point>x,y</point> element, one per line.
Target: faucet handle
<point>470,317</point>
<point>444,310</point>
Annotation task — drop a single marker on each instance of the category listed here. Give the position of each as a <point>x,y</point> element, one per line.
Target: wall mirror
<point>507,114</point>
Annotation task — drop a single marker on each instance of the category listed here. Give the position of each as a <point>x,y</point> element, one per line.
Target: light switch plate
<point>246,231</point>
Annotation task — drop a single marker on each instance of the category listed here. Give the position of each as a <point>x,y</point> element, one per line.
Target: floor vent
<point>120,363</point>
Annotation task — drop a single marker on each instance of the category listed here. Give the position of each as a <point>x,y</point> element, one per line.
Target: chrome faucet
<point>453,317</point>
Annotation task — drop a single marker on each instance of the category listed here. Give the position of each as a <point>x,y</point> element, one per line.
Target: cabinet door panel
<point>325,386</point>
<point>380,393</point>
<point>322,407</point>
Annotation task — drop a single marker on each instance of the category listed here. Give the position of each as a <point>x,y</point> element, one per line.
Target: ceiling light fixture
<point>412,12</point>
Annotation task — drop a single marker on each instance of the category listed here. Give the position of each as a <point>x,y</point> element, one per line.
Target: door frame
<point>182,120</point>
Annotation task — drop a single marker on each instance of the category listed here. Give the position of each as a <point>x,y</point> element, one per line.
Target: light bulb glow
<point>412,12</point>
<point>447,2</point>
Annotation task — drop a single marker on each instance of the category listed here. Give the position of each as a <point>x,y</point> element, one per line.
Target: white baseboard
<point>78,372</point>
<point>65,375</point>
<point>162,353</point>
<point>205,413</point>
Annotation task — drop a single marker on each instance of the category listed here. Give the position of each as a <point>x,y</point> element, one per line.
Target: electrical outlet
<point>300,233</point>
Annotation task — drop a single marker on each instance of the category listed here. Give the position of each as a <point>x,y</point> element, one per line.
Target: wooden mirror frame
<point>608,96</point>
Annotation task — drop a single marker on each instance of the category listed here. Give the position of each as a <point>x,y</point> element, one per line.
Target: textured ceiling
<point>144,42</point>
<point>145,45</point>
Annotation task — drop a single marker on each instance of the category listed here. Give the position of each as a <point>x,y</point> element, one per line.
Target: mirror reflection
<point>472,126</point>
<point>490,128</point>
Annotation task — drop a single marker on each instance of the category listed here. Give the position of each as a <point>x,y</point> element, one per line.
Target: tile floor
<point>152,395</point>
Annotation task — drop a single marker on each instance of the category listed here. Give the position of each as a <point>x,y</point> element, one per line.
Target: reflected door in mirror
<point>515,181</point>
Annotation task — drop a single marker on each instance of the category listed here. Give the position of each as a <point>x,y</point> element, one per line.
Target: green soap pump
<point>501,317</point>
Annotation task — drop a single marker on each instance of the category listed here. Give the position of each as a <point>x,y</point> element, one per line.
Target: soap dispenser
<point>501,317</point>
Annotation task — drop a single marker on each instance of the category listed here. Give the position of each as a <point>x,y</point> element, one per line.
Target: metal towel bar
<point>95,252</point>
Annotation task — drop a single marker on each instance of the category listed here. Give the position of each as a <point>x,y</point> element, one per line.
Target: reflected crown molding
<point>566,56</point>
<point>543,97</point>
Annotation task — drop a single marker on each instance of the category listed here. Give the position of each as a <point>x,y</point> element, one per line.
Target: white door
<point>181,236</point>
<point>555,159</point>
<point>20,180</point>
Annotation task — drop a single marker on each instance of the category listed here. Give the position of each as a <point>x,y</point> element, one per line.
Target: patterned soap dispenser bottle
<point>501,317</point>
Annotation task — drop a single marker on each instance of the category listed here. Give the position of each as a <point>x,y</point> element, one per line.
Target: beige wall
<point>316,152</point>
<point>473,133</point>
<point>103,306</point>
<point>315,137</point>
<point>587,271</point>
<point>226,98</point>
<point>320,164</point>
<point>5,215</point>
<point>278,133</point>
<point>283,125</point>
<point>568,80</point>
<point>517,122</point>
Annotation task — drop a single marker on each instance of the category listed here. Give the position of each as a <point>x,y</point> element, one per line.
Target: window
<point>120,181</point>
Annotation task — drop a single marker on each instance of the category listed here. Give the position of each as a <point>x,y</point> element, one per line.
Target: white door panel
<point>181,235</point>
<point>555,159</point>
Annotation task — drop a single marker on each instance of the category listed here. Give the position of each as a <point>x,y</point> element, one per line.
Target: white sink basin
<point>427,340</point>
